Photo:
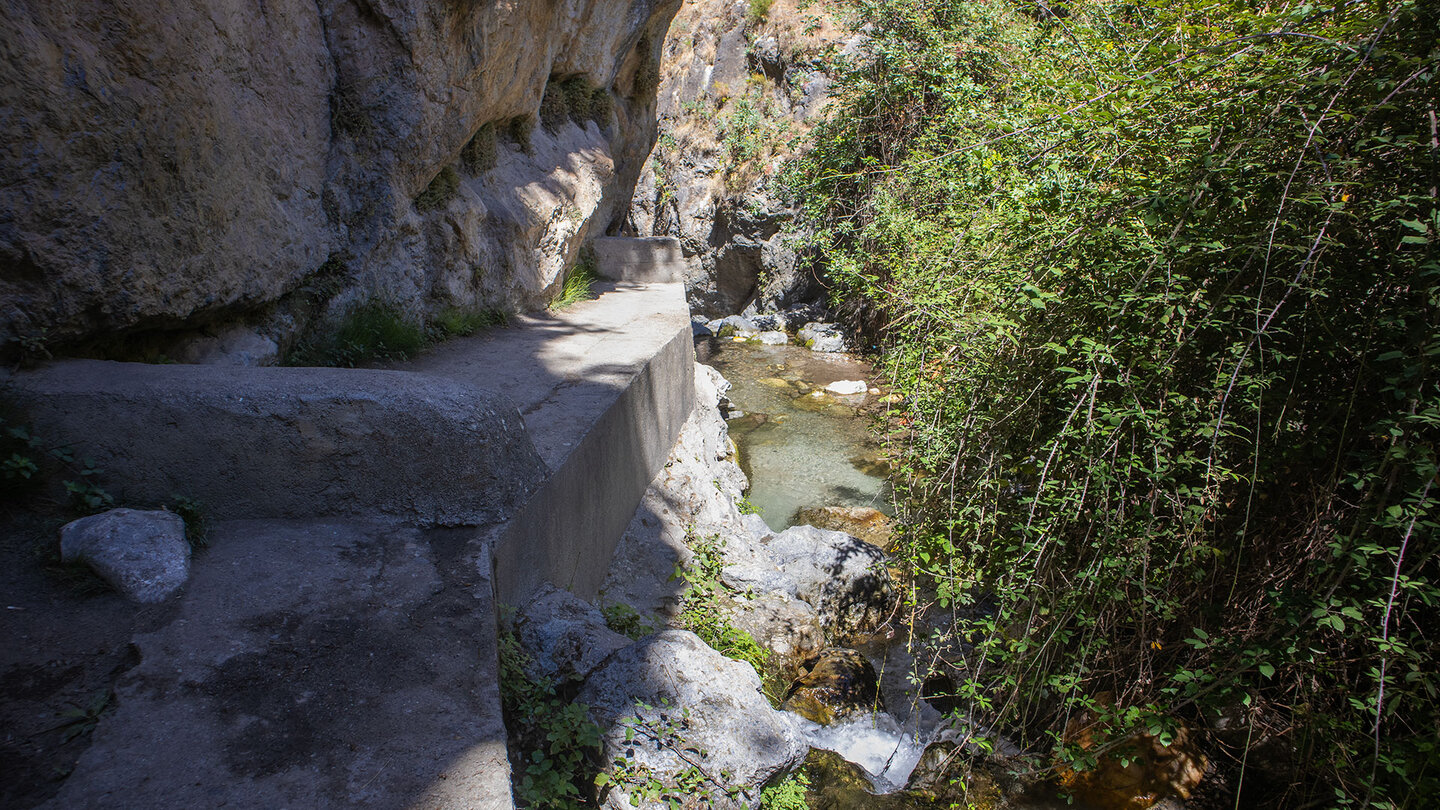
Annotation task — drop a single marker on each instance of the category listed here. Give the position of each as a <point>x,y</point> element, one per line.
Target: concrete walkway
<point>350,661</point>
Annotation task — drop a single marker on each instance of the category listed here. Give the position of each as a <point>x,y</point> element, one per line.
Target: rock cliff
<point>741,83</point>
<point>177,166</point>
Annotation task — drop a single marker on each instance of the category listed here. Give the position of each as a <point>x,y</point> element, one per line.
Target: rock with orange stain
<point>1137,773</point>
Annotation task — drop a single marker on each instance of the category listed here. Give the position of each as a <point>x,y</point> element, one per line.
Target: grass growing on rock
<point>378,331</point>
<point>701,613</point>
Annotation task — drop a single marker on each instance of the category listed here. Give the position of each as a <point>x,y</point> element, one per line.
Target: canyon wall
<point>741,85</point>
<point>178,166</point>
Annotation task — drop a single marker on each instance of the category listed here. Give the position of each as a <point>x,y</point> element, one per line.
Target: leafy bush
<point>555,742</point>
<point>702,614</point>
<point>1160,286</point>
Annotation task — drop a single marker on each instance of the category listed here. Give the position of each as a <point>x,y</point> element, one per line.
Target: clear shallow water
<point>800,449</point>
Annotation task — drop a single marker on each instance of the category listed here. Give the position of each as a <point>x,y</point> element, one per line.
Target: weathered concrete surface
<point>179,161</point>
<point>288,442</point>
<point>310,665</point>
<point>653,258</point>
<point>603,387</point>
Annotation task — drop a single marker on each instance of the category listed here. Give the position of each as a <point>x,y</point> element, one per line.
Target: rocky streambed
<point>834,696</point>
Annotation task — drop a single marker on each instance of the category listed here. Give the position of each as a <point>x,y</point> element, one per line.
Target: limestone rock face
<point>680,696</point>
<point>142,554</point>
<point>734,91</point>
<point>173,164</point>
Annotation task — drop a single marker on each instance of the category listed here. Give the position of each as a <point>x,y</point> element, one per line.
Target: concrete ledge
<point>639,259</point>
<point>289,442</point>
<point>567,532</point>
<point>604,388</point>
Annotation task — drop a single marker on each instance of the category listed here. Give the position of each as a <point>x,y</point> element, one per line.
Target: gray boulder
<point>787,627</point>
<point>565,636</point>
<point>670,704</point>
<point>843,578</point>
<point>822,337</point>
<point>143,555</point>
<point>733,325</point>
<point>772,338</point>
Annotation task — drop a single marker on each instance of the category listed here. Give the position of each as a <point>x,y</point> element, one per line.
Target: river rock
<point>843,578</point>
<point>862,522</point>
<point>834,684</point>
<point>142,554</point>
<point>774,338</point>
<point>565,636</point>
<point>847,387</point>
<point>784,625</point>
<point>822,337</point>
<point>766,321</point>
<point>670,694</point>
<point>737,325</point>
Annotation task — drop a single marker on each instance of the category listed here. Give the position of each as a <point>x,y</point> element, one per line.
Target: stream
<point>803,446</point>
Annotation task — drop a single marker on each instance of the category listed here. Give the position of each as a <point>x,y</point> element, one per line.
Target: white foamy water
<point>876,742</point>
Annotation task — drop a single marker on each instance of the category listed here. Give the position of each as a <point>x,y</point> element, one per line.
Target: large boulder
<point>143,555</point>
<point>834,684</point>
<point>676,711</point>
<point>845,579</point>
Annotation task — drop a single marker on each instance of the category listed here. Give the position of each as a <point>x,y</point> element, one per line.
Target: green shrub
<point>579,282</point>
<point>520,129</point>
<point>601,106</point>
<point>1161,293</point>
<point>758,11</point>
<point>553,111</point>
<point>577,99</point>
<point>647,69</point>
<point>557,742</point>
<point>481,152</point>
<point>457,322</point>
<point>348,113</point>
<point>369,332</point>
<point>440,191</point>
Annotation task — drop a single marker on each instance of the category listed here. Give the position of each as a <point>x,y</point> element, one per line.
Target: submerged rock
<point>143,555</point>
<point>862,522</point>
<point>671,705</point>
<point>834,684</point>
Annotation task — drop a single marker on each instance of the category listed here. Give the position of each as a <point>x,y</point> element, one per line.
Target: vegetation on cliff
<point>1160,283</point>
